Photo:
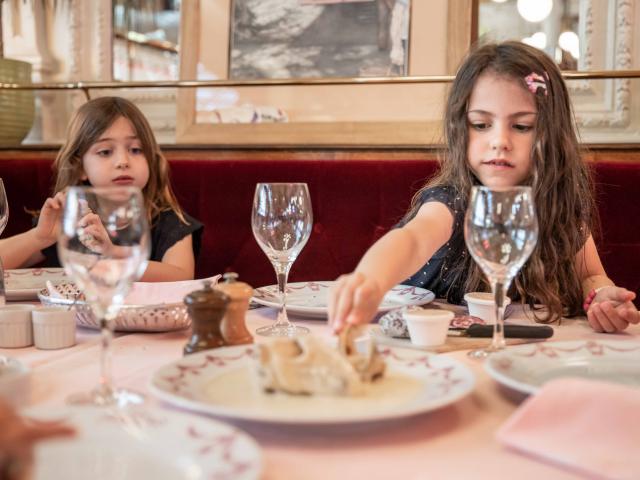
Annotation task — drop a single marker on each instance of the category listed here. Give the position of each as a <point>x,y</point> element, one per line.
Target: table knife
<point>510,331</point>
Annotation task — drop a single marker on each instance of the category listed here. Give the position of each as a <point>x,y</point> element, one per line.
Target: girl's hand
<point>48,225</point>
<point>354,300</point>
<point>93,235</point>
<point>612,310</point>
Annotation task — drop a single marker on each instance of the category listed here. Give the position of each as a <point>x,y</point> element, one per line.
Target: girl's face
<point>501,118</point>
<point>116,158</point>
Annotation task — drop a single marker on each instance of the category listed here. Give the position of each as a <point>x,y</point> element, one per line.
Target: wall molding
<point>605,104</point>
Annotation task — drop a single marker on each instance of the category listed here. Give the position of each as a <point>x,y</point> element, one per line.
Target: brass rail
<point>595,74</point>
<point>416,79</point>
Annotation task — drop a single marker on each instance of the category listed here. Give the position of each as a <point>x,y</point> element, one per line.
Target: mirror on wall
<point>145,39</point>
<point>318,38</point>
<point>550,25</point>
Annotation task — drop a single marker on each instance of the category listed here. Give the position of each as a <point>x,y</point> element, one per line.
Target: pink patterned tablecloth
<point>455,442</point>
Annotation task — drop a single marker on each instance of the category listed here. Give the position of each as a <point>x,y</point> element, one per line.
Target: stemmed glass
<point>4,218</point>
<point>281,221</point>
<point>501,231</point>
<point>4,207</point>
<point>104,245</point>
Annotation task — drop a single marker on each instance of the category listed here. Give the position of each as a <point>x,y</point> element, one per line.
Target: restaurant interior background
<point>302,73</point>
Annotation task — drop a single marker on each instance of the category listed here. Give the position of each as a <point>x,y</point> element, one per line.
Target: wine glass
<point>4,218</point>
<point>501,231</point>
<point>4,207</point>
<point>281,222</point>
<point>104,245</point>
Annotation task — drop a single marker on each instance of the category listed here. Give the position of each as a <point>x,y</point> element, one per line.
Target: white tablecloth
<point>454,442</point>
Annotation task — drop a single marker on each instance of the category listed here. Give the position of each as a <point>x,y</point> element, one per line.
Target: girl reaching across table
<point>508,122</point>
<point>110,143</point>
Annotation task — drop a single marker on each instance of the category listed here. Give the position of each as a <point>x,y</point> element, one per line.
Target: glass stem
<point>105,386</point>
<point>282,273</point>
<point>498,342</point>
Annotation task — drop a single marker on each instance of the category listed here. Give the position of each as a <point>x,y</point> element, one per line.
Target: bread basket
<point>162,317</point>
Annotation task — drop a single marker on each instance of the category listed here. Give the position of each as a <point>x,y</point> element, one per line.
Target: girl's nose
<point>501,139</point>
<point>122,160</point>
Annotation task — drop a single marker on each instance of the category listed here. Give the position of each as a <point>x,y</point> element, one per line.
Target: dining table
<point>457,441</point>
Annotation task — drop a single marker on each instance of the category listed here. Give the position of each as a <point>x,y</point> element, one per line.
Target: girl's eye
<point>136,150</point>
<point>104,153</point>
<point>523,128</point>
<point>479,125</point>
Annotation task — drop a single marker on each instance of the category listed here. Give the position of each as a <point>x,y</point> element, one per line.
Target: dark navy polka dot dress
<point>437,274</point>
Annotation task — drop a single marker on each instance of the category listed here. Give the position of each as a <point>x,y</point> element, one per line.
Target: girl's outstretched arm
<point>177,264</point>
<point>354,298</point>
<point>612,308</point>
<point>25,249</point>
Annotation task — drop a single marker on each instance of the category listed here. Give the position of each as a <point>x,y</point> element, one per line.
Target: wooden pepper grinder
<point>234,329</point>
<point>206,308</point>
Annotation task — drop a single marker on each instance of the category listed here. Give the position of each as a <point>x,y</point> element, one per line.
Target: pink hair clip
<point>535,82</point>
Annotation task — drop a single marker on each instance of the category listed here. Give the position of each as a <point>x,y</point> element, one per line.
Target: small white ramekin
<point>483,305</point>
<point>427,327</point>
<point>54,327</point>
<point>15,326</point>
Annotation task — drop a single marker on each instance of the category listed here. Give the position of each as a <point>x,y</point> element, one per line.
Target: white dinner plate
<point>25,283</point>
<point>527,367</point>
<point>221,382</point>
<point>143,443</point>
<point>309,299</point>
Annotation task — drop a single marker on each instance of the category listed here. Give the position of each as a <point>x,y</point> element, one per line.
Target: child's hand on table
<point>612,310</point>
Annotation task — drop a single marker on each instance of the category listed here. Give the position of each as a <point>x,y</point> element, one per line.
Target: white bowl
<point>14,381</point>
<point>483,305</point>
<point>427,327</point>
<point>15,326</point>
<point>54,327</point>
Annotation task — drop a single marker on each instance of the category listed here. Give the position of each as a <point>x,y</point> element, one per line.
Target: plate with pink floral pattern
<point>223,382</point>
<point>310,299</point>
<point>25,283</point>
<point>526,368</point>
<point>143,442</point>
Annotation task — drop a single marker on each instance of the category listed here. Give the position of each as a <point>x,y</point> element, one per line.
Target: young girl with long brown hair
<point>110,142</point>
<point>508,122</point>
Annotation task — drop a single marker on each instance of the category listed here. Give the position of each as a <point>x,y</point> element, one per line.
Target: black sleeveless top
<point>166,230</point>
<point>437,274</point>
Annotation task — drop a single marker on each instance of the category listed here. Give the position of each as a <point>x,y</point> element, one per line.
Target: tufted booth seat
<point>354,203</point>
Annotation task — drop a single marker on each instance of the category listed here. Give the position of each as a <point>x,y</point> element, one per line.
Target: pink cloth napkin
<point>588,426</point>
<point>153,293</point>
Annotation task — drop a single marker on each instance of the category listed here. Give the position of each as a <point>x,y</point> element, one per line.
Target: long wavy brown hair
<point>89,122</point>
<point>560,180</point>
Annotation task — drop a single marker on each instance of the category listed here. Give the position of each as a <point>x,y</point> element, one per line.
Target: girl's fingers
<point>42,432</point>
<point>345,300</point>
<point>363,309</point>
<point>60,198</point>
<point>601,319</point>
<point>90,219</point>
<point>617,294</point>
<point>50,203</point>
<point>593,321</point>
<point>334,295</point>
<point>630,313</point>
<point>614,317</point>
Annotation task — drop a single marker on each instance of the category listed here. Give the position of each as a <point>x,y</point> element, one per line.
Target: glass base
<point>482,353</point>
<point>282,331</point>
<point>101,397</point>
